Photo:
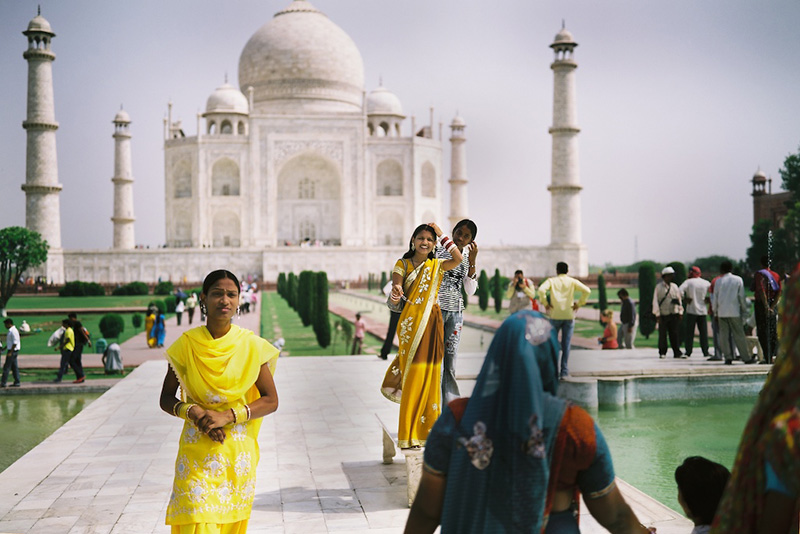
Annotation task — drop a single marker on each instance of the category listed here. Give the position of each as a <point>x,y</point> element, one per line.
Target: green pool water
<point>26,420</point>
<point>649,440</point>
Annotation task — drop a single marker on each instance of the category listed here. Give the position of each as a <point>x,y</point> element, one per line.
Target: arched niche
<point>389,228</point>
<point>182,179</point>
<point>428,180</point>
<point>389,179</point>
<point>225,178</point>
<point>226,229</point>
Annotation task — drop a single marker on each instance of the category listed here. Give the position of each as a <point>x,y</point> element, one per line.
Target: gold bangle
<point>175,408</point>
<point>247,406</point>
<point>240,414</point>
<point>183,411</point>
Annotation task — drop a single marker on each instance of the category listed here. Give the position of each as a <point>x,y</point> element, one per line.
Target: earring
<point>413,247</point>
<point>203,308</point>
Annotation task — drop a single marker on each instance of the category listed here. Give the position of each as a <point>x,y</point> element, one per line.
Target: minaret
<point>459,205</point>
<point>565,187</point>
<point>42,213</point>
<point>123,183</point>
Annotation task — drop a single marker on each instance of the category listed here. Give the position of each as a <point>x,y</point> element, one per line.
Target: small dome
<point>382,101</point>
<point>122,117</point>
<point>39,24</point>
<point>458,121</point>
<point>227,99</point>
<point>759,176</point>
<point>564,37</point>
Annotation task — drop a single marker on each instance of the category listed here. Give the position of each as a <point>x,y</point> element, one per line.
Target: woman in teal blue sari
<point>515,457</point>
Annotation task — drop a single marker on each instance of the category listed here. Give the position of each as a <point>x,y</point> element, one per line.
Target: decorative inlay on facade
<point>284,150</point>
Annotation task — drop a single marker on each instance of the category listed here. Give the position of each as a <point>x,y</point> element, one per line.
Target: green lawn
<point>36,302</point>
<point>37,343</point>
<point>47,375</point>
<point>279,320</point>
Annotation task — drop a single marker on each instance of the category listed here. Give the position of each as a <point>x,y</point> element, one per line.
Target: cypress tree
<point>497,291</point>
<point>483,290</point>
<point>601,291</point>
<point>647,284</point>
<point>322,323</point>
<point>384,281</point>
<point>282,284</point>
<point>291,290</point>
<point>305,286</point>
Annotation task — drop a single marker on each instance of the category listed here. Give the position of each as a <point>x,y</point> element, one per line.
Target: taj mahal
<point>299,167</point>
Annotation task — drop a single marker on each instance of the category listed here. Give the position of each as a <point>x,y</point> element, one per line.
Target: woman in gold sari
<point>225,376</point>
<point>413,379</point>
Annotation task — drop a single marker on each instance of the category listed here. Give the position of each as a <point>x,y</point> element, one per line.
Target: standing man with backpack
<point>82,338</point>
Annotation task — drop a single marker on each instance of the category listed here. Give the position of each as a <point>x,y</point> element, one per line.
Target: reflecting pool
<point>26,420</point>
<point>649,440</point>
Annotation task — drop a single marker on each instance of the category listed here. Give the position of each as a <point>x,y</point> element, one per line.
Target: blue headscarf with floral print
<point>501,449</point>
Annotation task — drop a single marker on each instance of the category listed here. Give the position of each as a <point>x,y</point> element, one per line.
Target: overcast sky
<point>679,103</point>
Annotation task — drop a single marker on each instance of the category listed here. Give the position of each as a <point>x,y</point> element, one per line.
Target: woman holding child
<point>413,379</point>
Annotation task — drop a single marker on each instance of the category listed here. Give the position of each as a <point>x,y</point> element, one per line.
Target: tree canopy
<point>20,250</point>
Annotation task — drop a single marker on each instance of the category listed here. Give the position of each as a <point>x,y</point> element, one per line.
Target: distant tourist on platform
<point>13,346</point>
<point>730,306</point>
<point>668,309</point>
<point>159,332</point>
<point>521,293</point>
<point>609,338</point>
<point>767,292</point>
<point>451,300</point>
<point>515,457</point>
<point>695,297</point>
<point>701,484</point>
<point>561,306</point>
<point>25,327</point>
<point>67,347</point>
<point>112,359</point>
<point>762,495</point>
<point>191,304</point>
<point>149,323</point>
<point>413,379</point>
<point>82,339</point>
<point>360,328</point>
<point>627,316</point>
<point>180,307</point>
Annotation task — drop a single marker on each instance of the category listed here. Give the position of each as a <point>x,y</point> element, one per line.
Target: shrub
<point>133,288</point>
<point>112,325</point>
<point>322,323</point>
<point>647,284</point>
<point>170,302</point>
<point>137,321</point>
<point>343,328</point>
<point>483,290</point>
<point>163,288</point>
<point>81,289</point>
<point>160,304</point>
<point>384,281</point>
<point>497,291</point>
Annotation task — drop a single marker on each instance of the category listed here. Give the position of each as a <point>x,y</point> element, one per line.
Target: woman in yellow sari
<point>225,376</point>
<point>413,379</point>
<point>149,321</point>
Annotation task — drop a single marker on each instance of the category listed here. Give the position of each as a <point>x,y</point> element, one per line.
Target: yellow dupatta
<point>215,482</point>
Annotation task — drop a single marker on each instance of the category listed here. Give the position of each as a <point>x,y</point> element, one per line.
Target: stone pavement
<point>110,468</point>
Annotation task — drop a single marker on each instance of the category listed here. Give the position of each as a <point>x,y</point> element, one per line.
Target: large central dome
<point>299,62</point>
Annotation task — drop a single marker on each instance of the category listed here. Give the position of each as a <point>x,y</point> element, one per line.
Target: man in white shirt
<point>668,309</point>
<point>729,307</point>
<point>12,348</point>
<point>695,292</point>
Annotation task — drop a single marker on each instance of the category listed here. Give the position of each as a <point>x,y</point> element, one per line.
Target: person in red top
<point>358,336</point>
<point>609,339</point>
<point>767,288</point>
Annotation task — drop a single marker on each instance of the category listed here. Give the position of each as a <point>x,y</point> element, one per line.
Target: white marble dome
<point>382,101</point>
<point>458,120</point>
<point>759,176</point>
<point>300,61</point>
<point>227,99</point>
<point>564,37</point>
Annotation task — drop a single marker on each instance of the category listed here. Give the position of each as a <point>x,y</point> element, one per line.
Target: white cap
<point>668,270</point>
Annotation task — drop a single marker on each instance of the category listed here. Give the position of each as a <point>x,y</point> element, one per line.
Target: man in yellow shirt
<point>66,345</point>
<point>561,307</point>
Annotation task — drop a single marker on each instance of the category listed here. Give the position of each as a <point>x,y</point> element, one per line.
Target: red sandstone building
<point>766,204</point>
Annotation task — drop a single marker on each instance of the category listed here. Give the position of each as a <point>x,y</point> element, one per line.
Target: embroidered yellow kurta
<point>214,482</point>
<point>414,376</point>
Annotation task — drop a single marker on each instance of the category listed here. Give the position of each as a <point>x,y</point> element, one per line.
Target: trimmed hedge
<point>163,288</point>
<point>170,302</point>
<point>81,289</point>
<point>321,322</point>
<point>137,321</point>
<point>160,304</point>
<point>647,284</point>
<point>112,325</point>
<point>483,290</point>
<point>497,291</point>
<point>133,288</point>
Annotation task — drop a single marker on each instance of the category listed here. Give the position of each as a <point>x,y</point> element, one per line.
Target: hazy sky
<point>679,103</point>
